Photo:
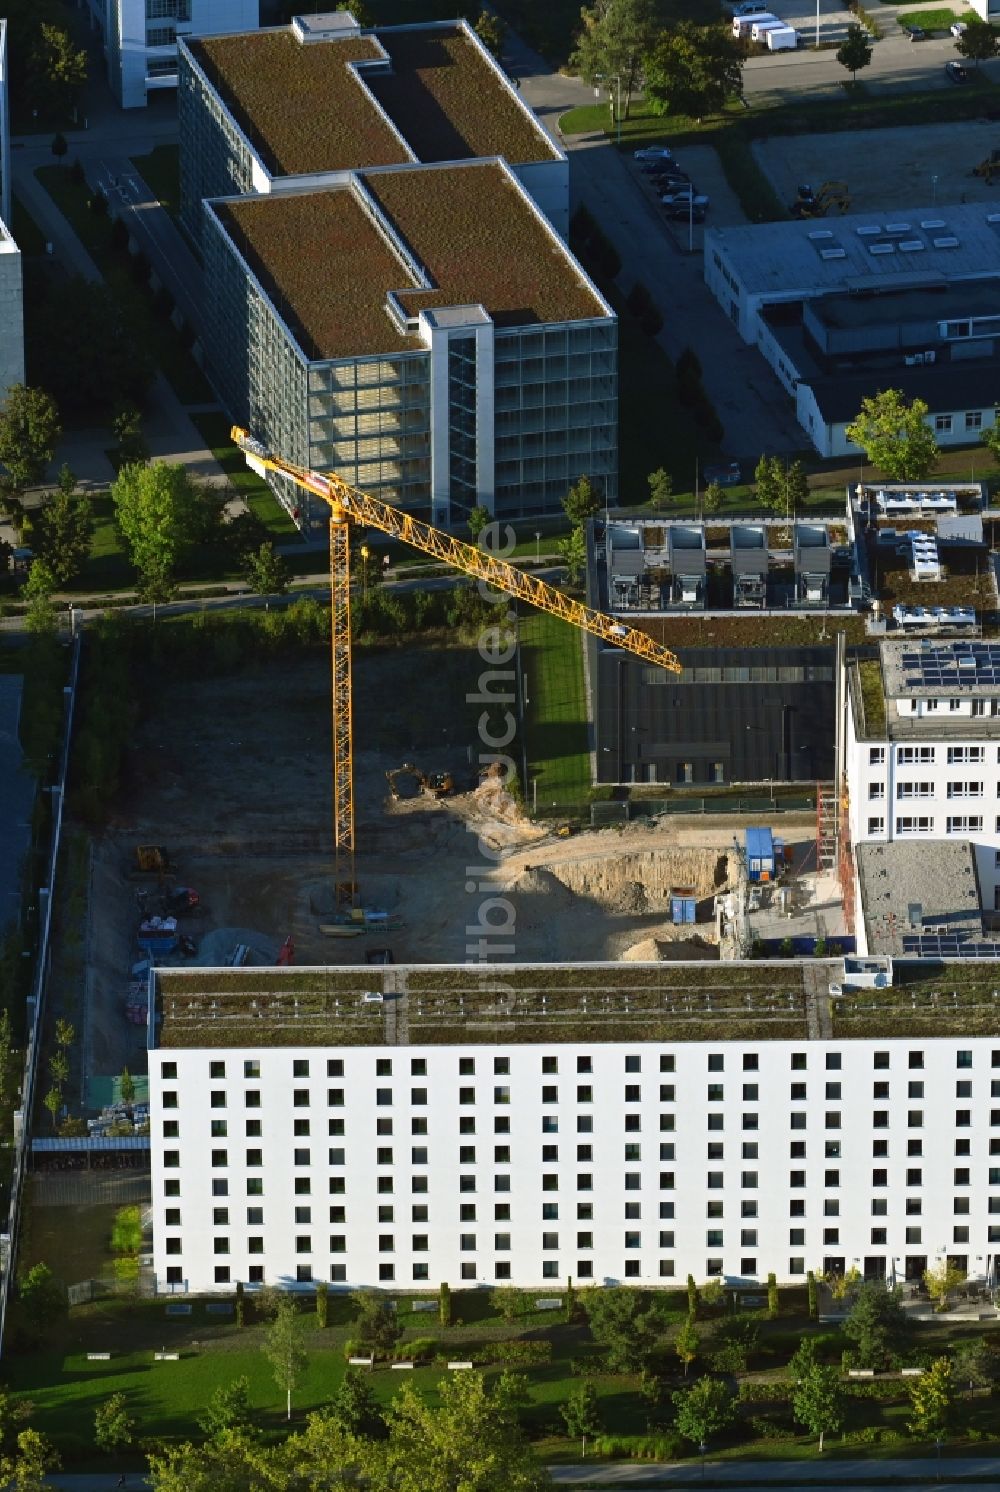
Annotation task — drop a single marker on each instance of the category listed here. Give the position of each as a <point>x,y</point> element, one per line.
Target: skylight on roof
<point>948,242</point>
<point>898,228</point>
<point>833,253</point>
<point>870,232</point>
<point>911,245</point>
<point>881,248</point>
<point>821,233</point>
<point>933,223</point>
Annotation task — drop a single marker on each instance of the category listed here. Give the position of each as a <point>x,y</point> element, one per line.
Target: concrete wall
<point>624,1191</point>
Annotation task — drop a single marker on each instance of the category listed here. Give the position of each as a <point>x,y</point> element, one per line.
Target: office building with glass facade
<point>293,106</point>
<point>372,327</point>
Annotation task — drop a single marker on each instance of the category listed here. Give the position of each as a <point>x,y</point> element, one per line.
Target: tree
<point>574,555</point>
<point>57,70</point>
<point>932,1400</point>
<point>972,1362</point>
<point>940,1280</point>
<point>713,1292</point>
<point>876,1324</point>
<point>581,502</point>
<point>796,487</point>
<point>65,1030</point>
<point>692,1294</point>
<point>773,1302</point>
<point>160,512</point>
<point>478,518</point>
<point>661,487</point>
<point>284,1351</point>
<point>841,1285</point>
<point>616,36</point>
<point>321,1456</point>
<point>53,1102</point>
<point>622,1323</point>
<point>374,1322</point>
<point>812,1290</point>
<point>40,618</point>
<point>64,530</point>
<point>713,497</point>
<point>228,1408</point>
<point>511,1395</point>
<point>354,1408</point>
<point>444,1304</point>
<point>767,482</point>
<point>267,572</point>
<point>855,51</point>
<point>462,1443</point>
<point>322,1304</point>
<point>29,434</point>
<point>686,1344</point>
<point>131,448</point>
<point>990,437</point>
<point>507,1301</point>
<point>978,42</point>
<point>492,32</point>
<point>895,436</point>
<point>818,1402</point>
<point>35,1459</point>
<point>126,1086</point>
<point>239,1303</point>
<point>692,70</point>
<point>704,1410</point>
<point>580,1413</point>
<point>112,1424</point>
<point>43,1297</point>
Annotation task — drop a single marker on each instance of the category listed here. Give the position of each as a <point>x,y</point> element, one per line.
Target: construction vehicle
<point>816,204</point>
<point>349,504</point>
<point>989,167</point>
<point>151,860</point>
<point>435,784</point>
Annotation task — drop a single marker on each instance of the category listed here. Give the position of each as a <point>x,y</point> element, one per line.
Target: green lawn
<point>160,170</point>
<point>94,231</point>
<point>929,20</point>
<point>214,430</point>
<point>556,735</point>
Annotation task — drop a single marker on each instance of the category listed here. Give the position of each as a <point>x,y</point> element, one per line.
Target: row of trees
<point>626,45</point>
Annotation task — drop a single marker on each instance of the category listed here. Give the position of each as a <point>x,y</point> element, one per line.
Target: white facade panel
<point>137,61</point>
<point>628,1162</point>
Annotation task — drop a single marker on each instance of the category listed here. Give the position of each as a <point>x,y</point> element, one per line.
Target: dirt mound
<point>660,950</point>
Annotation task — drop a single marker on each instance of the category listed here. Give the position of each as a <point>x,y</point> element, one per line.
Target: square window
<point>584,1064</point>
<point>217,1069</point>
<point>716,1062</point>
<point>668,1062</point>
<point>386,1272</point>
<point>222,1274</point>
<point>418,1067</point>
<point>501,1269</point>
<point>383,1067</point>
<point>421,1271</point>
<point>550,1268</point>
<point>501,1066</point>
<point>633,1063</point>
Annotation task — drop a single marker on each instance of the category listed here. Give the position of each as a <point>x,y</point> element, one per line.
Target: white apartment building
<point>393,1163</point>
<point>924,764</point>
<point>11,276</point>
<point>140,38</point>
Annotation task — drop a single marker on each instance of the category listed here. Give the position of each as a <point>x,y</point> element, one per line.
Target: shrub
<point>421,1349</point>
<point>764,1391</point>
<point>354,1347</point>
<point>766,1429</point>
<point>640,1447</point>
<point>520,1351</point>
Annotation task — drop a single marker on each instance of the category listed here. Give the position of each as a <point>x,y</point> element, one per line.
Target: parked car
<point>684,195</point>
<point>958,28</point>
<point>956,72</point>
<point>683,212</point>
<point>749,8</point>
<point>653,153</point>
<point>915,33</point>
<point>667,181</point>
<point>661,168</point>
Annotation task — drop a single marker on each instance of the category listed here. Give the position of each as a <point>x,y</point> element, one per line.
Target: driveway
<point>752,405</point>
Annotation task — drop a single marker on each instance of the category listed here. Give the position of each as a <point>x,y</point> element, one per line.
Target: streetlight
<point>364,552</point>
<point>614,78</point>
<point>934,182</point>
<point>937,1442</point>
<point>538,540</point>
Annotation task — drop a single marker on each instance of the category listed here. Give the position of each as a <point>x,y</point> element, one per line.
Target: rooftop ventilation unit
<point>821,233</point>
<point>833,253</point>
<point>948,242</point>
<point>933,223</point>
<point>872,231</point>
<point>911,245</point>
<point>898,228</point>
<point>881,248</point>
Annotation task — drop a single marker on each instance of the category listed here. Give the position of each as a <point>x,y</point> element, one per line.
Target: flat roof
<point>545,1004</point>
<point>327,259</point>
<point>900,877</point>
<point>427,93</point>
<point>944,302</point>
<point>941,667</point>
<point>922,246</point>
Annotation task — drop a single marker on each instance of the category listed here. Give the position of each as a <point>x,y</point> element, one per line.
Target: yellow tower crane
<point>350,505</point>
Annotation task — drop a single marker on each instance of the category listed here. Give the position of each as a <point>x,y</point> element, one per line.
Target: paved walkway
<point>790,1476</point>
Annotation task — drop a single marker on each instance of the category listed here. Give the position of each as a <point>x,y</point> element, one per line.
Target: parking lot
<point>887,169</point>
<point>702,165</point>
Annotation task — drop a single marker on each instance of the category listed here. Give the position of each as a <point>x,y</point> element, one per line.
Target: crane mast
<point>349,504</point>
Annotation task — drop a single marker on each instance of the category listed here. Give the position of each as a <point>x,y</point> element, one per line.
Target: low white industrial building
<point>402,1127</point>
<point>843,307</point>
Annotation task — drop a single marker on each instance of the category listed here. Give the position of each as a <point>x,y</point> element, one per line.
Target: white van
<point>782,39</point>
<point>743,25</point>
<point>763,24</point>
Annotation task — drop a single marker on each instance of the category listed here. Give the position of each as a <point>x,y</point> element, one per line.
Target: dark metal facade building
<point>743,715</point>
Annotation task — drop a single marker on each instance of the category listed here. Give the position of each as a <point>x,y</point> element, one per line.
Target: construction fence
<point>604,814</point>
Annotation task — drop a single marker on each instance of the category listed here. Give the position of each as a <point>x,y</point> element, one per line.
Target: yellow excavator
<point>348,505</point>
<point>810,204</point>
<point>434,784</point>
